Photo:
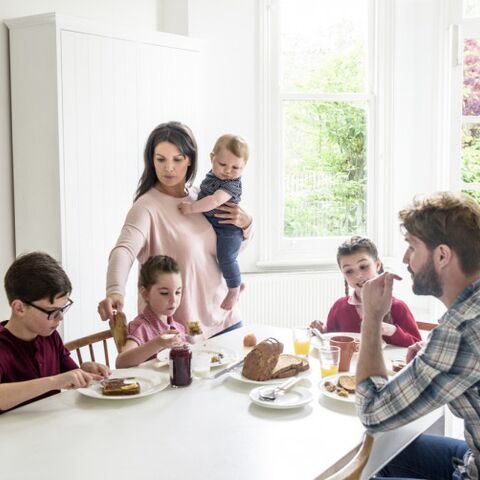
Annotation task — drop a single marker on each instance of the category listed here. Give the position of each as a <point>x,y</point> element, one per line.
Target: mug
<point>347,347</point>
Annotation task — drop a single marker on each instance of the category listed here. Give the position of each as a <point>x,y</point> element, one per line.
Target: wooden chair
<point>117,331</point>
<point>426,326</point>
<point>89,341</point>
<point>353,469</point>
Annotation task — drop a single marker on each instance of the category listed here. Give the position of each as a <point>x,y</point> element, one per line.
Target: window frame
<point>462,28</point>
<point>277,252</point>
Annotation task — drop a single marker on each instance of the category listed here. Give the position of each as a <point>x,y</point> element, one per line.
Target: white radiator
<point>289,299</point>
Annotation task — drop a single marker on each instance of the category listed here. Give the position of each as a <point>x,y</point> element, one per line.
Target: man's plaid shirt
<point>445,371</point>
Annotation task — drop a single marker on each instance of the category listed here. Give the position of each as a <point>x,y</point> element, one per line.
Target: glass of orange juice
<point>301,341</point>
<point>329,360</point>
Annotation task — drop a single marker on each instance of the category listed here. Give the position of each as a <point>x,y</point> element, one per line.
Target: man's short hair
<point>34,276</point>
<point>447,218</point>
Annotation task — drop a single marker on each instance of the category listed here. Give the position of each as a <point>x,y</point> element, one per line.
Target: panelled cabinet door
<point>88,112</point>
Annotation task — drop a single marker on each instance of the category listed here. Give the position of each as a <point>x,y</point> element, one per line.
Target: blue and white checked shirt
<point>445,371</point>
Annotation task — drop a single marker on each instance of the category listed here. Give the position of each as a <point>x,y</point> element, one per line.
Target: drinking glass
<point>329,360</point>
<point>301,341</point>
<point>201,362</point>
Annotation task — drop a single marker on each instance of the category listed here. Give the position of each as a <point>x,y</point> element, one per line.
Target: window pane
<point>471,8</point>
<point>471,153</point>
<point>323,45</point>
<point>471,77</point>
<point>475,194</point>
<point>325,169</point>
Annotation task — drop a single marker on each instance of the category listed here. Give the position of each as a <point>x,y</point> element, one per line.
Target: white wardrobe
<point>85,97</point>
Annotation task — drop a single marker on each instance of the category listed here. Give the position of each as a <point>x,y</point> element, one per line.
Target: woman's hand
<point>234,215</point>
<point>109,304</point>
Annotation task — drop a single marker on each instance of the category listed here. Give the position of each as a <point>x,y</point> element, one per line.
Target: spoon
<point>278,391</point>
<point>317,333</point>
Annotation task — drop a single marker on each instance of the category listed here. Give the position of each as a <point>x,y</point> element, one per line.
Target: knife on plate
<point>233,366</point>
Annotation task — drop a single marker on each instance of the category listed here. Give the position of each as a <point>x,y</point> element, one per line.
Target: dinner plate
<point>334,379</point>
<point>226,357</point>
<point>237,375</point>
<point>219,356</point>
<point>150,382</point>
<point>293,398</point>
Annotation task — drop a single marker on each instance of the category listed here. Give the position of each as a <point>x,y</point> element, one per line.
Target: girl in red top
<point>358,261</point>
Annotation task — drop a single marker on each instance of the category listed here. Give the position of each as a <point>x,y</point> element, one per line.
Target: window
<point>466,92</point>
<point>318,121</point>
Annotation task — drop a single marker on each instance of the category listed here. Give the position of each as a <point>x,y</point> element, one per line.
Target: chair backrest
<point>89,341</point>
<point>353,469</point>
<point>426,326</point>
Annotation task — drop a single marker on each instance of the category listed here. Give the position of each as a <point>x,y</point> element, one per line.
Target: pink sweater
<point>343,317</point>
<point>155,226</point>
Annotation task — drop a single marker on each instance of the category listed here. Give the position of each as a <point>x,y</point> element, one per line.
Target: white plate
<point>293,398</point>
<point>150,382</point>
<point>228,355</point>
<point>335,396</point>
<point>237,375</point>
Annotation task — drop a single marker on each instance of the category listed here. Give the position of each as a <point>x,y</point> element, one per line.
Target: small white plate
<point>293,398</point>
<point>150,382</point>
<point>227,356</point>
<point>237,375</point>
<point>334,379</point>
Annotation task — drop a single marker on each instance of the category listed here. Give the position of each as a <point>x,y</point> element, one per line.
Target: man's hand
<point>413,350</point>
<point>377,297</point>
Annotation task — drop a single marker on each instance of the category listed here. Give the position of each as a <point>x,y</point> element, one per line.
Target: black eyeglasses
<point>52,314</point>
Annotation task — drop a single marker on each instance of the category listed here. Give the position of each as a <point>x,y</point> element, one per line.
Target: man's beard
<point>426,281</point>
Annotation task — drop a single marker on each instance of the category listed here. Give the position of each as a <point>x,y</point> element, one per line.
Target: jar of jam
<point>180,365</point>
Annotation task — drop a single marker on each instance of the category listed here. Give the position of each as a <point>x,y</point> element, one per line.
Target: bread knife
<point>233,366</point>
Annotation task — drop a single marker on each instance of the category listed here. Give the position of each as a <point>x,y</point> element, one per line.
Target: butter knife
<point>233,366</point>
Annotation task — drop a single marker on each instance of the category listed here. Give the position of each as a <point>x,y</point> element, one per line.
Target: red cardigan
<point>343,317</point>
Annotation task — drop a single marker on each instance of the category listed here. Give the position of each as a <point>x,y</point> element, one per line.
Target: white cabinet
<point>84,99</point>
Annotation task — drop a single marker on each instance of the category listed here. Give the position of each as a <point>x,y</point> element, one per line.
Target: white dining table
<point>208,430</point>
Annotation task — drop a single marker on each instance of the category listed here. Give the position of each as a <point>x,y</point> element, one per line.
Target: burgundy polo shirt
<point>42,357</point>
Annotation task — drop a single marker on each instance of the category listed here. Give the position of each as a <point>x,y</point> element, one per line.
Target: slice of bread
<point>347,382</point>
<point>260,362</point>
<point>289,365</point>
<point>120,386</point>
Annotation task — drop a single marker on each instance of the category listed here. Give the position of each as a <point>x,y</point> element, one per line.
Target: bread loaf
<point>261,361</point>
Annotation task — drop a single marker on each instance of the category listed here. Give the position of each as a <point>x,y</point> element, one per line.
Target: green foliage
<point>324,141</point>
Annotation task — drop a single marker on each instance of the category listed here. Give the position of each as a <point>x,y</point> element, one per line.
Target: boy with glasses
<point>33,360</point>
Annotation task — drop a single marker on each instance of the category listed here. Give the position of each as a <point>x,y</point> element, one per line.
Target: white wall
<point>231,96</point>
<point>138,14</point>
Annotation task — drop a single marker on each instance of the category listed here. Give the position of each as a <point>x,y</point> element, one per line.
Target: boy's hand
<point>96,369</point>
<point>185,208</point>
<point>74,379</point>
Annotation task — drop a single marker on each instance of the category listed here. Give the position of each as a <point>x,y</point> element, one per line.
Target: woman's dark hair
<point>357,244</point>
<point>155,266</point>
<point>34,276</point>
<point>179,135</point>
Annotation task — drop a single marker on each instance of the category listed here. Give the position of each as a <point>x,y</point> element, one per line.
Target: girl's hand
<point>234,215</point>
<point>388,329</point>
<point>168,338</point>
<point>109,304</point>
<point>318,325</point>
